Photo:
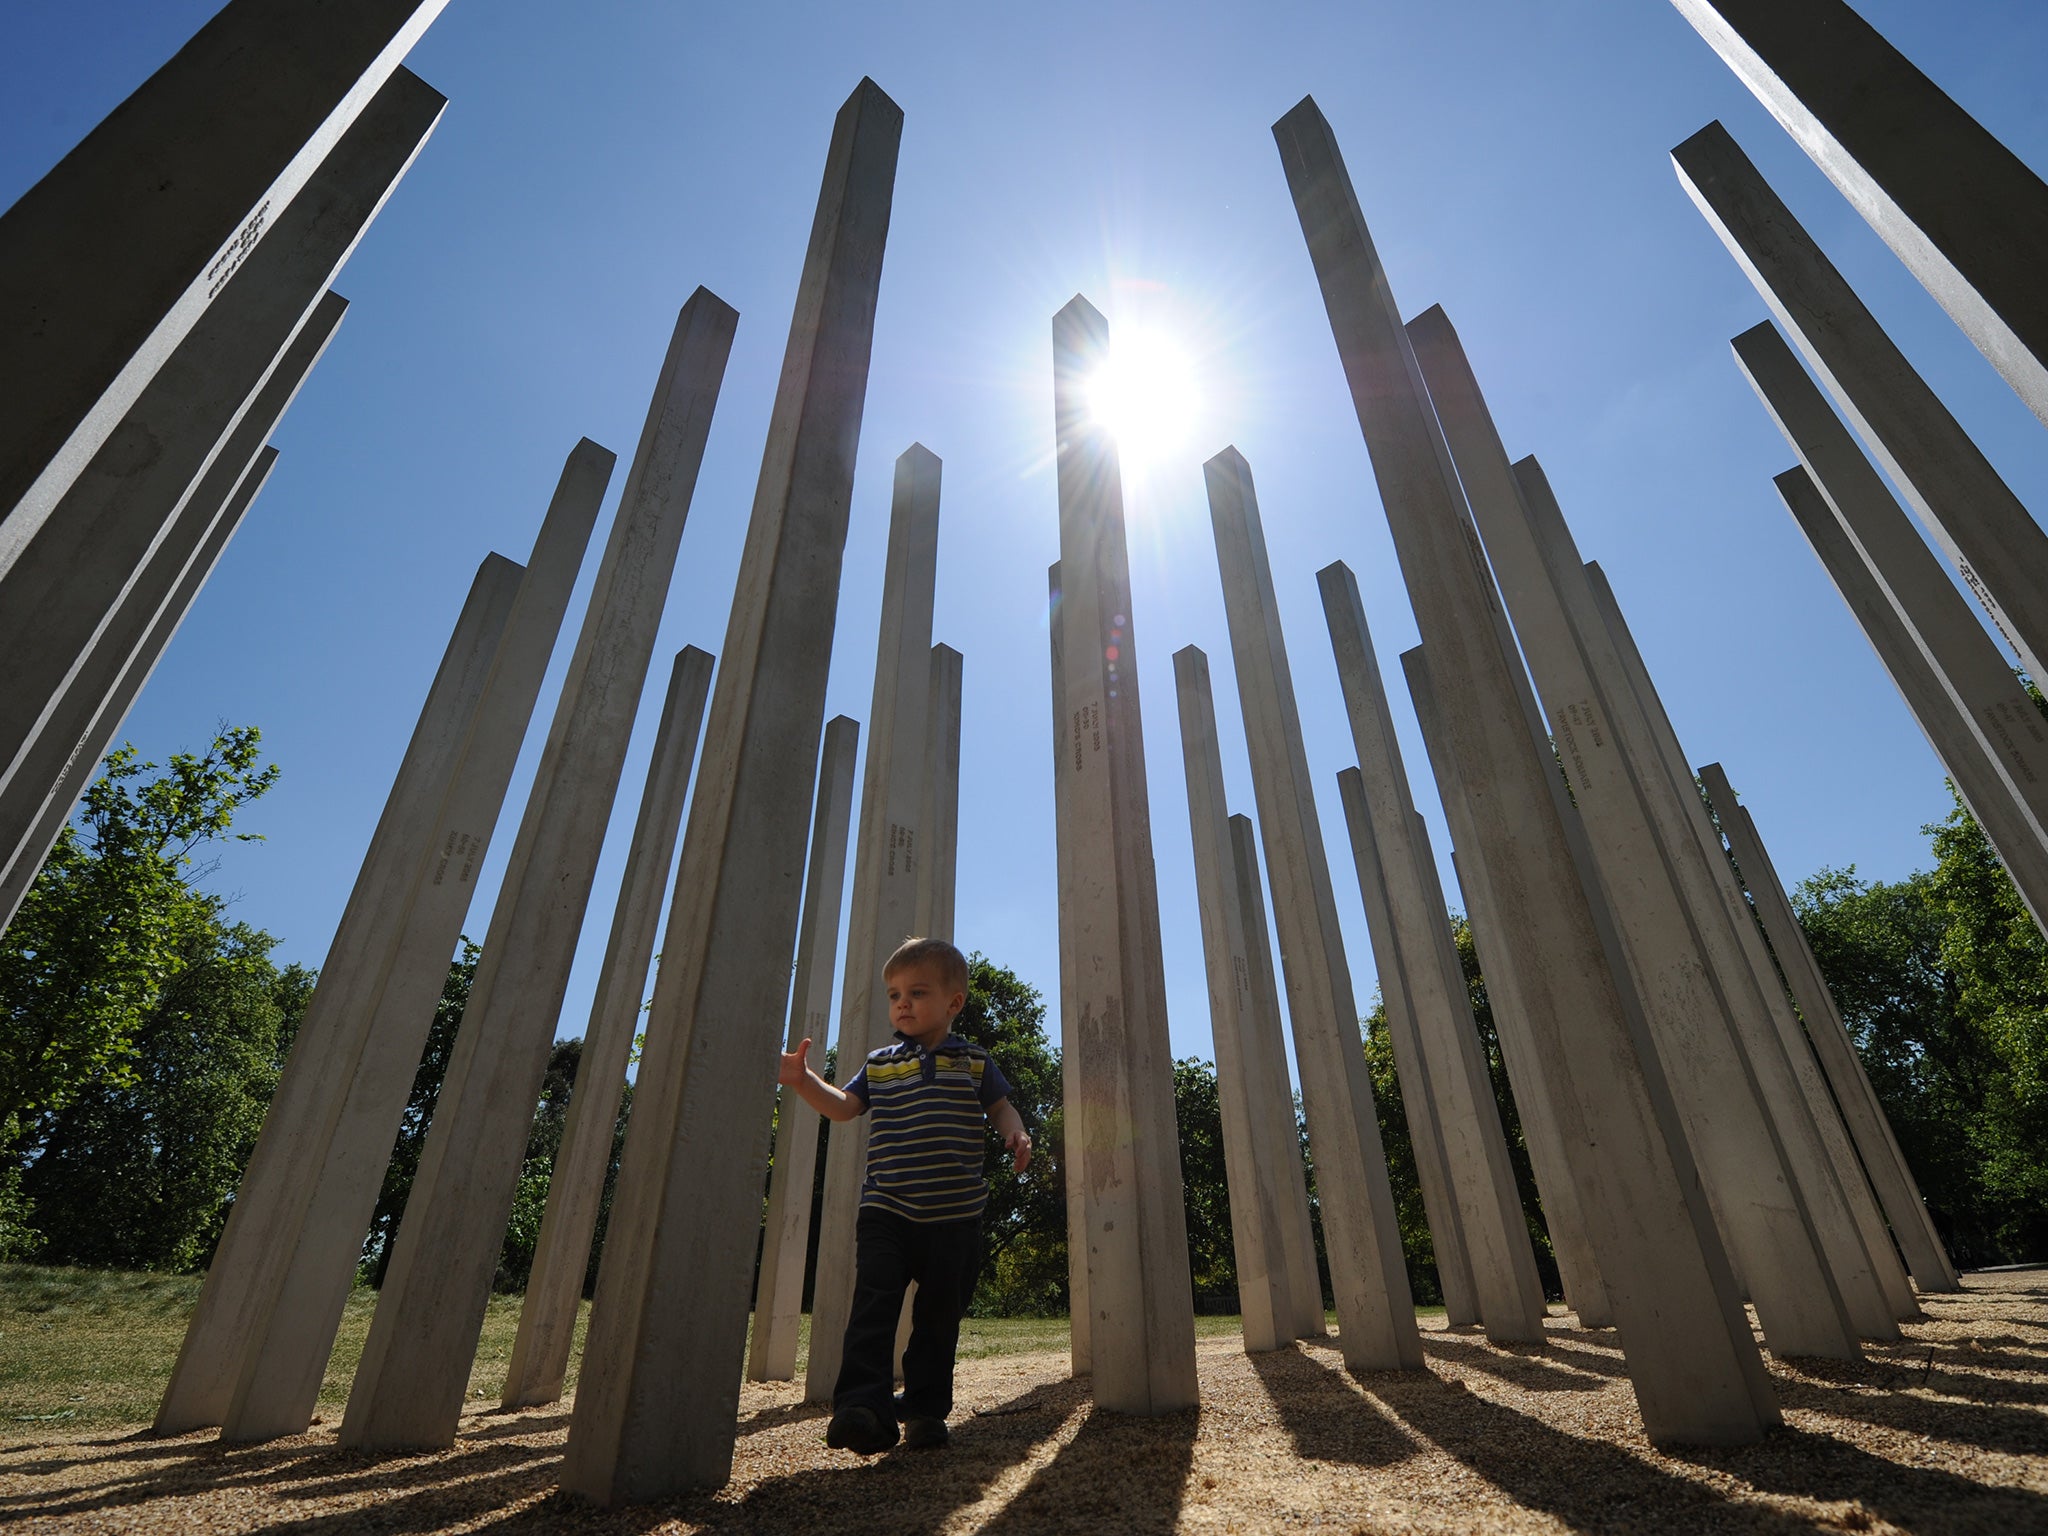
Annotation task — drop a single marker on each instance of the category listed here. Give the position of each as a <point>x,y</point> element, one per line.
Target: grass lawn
<point>92,1349</point>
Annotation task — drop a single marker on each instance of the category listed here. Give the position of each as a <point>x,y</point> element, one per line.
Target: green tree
<point>1205,1185</point>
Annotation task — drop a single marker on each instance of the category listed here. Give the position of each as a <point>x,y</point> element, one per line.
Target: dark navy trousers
<point>890,1251</point>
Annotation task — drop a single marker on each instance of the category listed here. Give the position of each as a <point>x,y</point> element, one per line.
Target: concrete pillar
<point>561,1258</point>
<point>109,261</point>
<point>1535,1093</point>
<point>381,990</point>
<point>1361,1233</point>
<point>1879,1148</point>
<point>1984,789</point>
<point>118,695</point>
<point>1759,1154</point>
<point>1079,1354</point>
<point>1993,539</point>
<point>1978,679</point>
<point>779,1293</point>
<point>296,1128</point>
<point>658,1395</point>
<point>1258,1183</point>
<point>49,775</point>
<point>1140,1297</point>
<point>414,1374</point>
<point>1411,1066</point>
<point>1964,213</point>
<point>1896,1293</point>
<point>65,586</point>
<point>939,817</point>
<point>887,858</point>
<point>1690,1355</point>
<point>1510,1294</point>
<point>1262,996</point>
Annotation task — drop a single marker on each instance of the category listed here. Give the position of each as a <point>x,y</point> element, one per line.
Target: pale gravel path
<point>1947,1432</point>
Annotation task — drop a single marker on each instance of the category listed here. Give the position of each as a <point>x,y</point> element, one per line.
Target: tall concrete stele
<point>887,856</point>
<point>108,262</point>
<point>1140,1299</point>
<point>1690,1354</point>
<point>779,1292</point>
<point>1079,1353</point>
<point>414,1374</point>
<point>561,1256</point>
<point>1981,525</point>
<point>657,1400</point>
<point>1368,1275</point>
<point>1962,211</point>
<point>939,816</point>
<point>1257,1108</point>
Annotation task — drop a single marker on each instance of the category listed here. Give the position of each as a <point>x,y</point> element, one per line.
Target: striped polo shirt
<point>926,1138</point>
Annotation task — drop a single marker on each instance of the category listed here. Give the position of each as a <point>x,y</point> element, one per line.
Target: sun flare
<point>1146,395</point>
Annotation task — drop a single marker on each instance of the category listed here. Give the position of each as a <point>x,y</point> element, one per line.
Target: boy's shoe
<point>861,1430</point>
<point>922,1433</point>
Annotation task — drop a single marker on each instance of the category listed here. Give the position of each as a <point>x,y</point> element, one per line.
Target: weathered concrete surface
<point>1880,1150</point>
<point>1993,539</point>
<point>1895,1291</point>
<point>1978,678</point>
<point>657,1397</point>
<point>1695,1368</point>
<point>1533,1090</point>
<point>1258,1185</point>
<point>414,1373</point>
<point>1361,1234</point>
<point>939,817</point>
<point>1263,996</point>
<point>561,1256</point>
<point>1078,1352</point>
<point>295,1129</point>
<point>118,693</point>
<point>65,586</point>
<point>887,856</point>
<point>303,1260</point>
<point>109,261</point>
<point>1965,214</point>
<point>56,765</point>
<point>1140,1299</point>
<point>779,1293</point>
<point>1496,1236</point>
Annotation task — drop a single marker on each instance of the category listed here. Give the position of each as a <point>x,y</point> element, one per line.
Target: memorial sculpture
<point>1079,1354</point>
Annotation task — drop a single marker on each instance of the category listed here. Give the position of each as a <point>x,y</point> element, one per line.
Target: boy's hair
<point>936,953</point>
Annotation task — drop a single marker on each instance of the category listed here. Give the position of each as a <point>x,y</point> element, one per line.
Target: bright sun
<point>1145,393</point>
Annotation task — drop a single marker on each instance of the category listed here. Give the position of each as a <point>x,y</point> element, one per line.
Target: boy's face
<point>920,1006</point>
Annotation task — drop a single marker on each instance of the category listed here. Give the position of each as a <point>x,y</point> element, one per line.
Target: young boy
<point>920,1206</point>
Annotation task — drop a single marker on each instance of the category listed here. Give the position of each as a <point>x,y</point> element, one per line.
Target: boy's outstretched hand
<point>794,1064</point>
<point>1017,1142</point>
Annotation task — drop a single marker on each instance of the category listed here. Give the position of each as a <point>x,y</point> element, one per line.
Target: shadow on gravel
<point>1326,1415</point>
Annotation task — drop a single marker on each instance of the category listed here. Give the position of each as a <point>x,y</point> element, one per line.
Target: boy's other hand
<point>794,1064</point>
<point>1018,1144</point>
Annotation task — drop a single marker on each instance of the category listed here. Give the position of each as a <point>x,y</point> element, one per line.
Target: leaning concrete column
<point>1262,996</point>
<point>65,586</point>
<point>1980,684</point>
<point>414,1374</point>
<point>1375,1309</point>
<point>39,796</point>
<point>1141,1301</point>
<point>939,817</point>
<point>1496,1235</point>
<point>1964,213</point>
<point>109,261</point>
<point>887,857</point>
<point>1535,1091</point>
<point>779,1292</point>
<point>383,1002</point>
<point>1078,1352</point>
<point>1697,1374</point>
<point>1993,539</point>
<point>1758,1151</point>
<point>658,1396</point>
<point>1258,1188</point>
<point>1910,1223</point>
<point>561,1256</point>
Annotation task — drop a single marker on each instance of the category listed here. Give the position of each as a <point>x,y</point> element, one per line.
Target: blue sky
<point>600,160</point>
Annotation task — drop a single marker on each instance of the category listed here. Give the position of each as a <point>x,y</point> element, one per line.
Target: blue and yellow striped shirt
<point>927,1139</point>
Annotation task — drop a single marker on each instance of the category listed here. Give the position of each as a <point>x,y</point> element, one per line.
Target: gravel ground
<point>1945,1432</point>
